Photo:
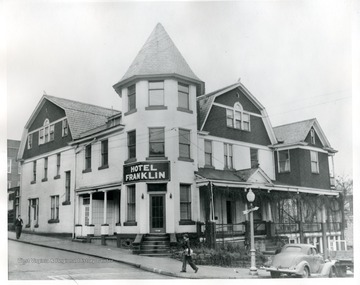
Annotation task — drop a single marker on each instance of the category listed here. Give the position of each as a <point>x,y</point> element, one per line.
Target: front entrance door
<point>33,213</point>
<point>157,213</point>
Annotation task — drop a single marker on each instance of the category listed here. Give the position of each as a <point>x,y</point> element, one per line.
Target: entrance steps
<point>155,245</point>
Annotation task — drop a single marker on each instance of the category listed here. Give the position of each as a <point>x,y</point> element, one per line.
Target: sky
<point>295,57</point>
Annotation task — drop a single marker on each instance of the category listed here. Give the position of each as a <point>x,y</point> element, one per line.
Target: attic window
<point>237,118</point>
<point>312,135</point>
<point>46,133</point>
<point>65,128</point>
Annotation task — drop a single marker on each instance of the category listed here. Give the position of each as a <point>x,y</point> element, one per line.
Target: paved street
<point>30,262</point>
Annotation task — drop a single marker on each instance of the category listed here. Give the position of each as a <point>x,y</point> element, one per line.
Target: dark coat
<point>18,223</point>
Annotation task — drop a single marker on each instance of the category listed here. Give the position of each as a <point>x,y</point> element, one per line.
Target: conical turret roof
<point>159,56</point>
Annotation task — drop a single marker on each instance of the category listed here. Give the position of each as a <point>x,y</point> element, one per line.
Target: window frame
<point>104,152</point>
<point>30,141</point>
<point>312,136</point>
<point>157,141</point>
<point>228,156</point>
<point>208,153</point>
<point>314,154</point>
<point>254,162</point>
<point>131,203</point>
<point>46,164</point>
<point>187,203</point>
<point>287,167</point>
<point>185,142</point>
<point>64,128</point>
<point>131,145</point>
<point>156,89</point>
<point>9,161</point>
<point>235,118</point>
<point>34,171</point>
<point>131,98</point>
<point>87,157</point>
<point>67,186</point>
<point>54,207</point>
<point>58,164</point>
<point>183,92</point>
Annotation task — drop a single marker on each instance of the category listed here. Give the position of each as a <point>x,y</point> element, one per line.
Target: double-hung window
<point>228,156</point>
<point>183,96</point>
<point>34,171</point>
<point>284,160</point>
<point>54,207</point>
<point>131,142</point>
<point>67,186</point>
<point>131,203</point>
<point>58,164</point>
<point>9,165</point>
<point>156,93</point>
<point>105,153</point>
<point>131,98</point>
<point>30,141</point>
<point>208,153</point>
<point>185,202</point>
<point>46,133</point>
<point>156,142</point>
<point>184,143</point>
<point>314,162</point>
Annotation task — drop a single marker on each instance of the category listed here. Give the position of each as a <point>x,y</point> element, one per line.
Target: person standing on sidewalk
<point>187,254</point>
<point>18,226</point>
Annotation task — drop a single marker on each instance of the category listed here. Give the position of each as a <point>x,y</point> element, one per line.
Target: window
<point>228,156</point>
<point>58,164</point>
<point>156,93</point>
<point>34,171</point>
<point>183,96</point>
<point>132,144</point>
<point>46,133</point>
<point>314,162</point>
<point>9,185</point>
<point>55,207</point>
<point>65,128</point>
<point>131,98</point>
<point>254,157</point>
<point>88,157</point>
<point>185,202</point>
<point>237,118</point>
<point>284,160</point>
<point>30,141</point>
<point>67,186</point>
<point>184,143</point>
<point>312,136</point>
<point>9,165</point>
<point>131,206</point>
<point>157,142</point>
<point>19,167</point>
<point>104,153</point>
<point>45,169</point>
<point>208,153</point>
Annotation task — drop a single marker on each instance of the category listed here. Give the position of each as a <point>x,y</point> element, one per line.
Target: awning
<point>101,187</point>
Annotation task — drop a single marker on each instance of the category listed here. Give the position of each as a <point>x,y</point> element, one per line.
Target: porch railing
<point>334,226</point>
<point>229,230</point>
<point>312,227</point>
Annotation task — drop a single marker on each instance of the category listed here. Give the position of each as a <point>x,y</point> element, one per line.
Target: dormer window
<point>46,133</point>
<point>65,128</point>
<point>284,161</point>
<point>237,118</point>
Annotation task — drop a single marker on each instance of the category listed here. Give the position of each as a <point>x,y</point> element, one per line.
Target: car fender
<point>300,267</point>
<point>326,268</point>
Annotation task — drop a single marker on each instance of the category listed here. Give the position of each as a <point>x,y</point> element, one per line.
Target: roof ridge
<point>79,102</point>
<point>212,93</point>
<point>293,123</point>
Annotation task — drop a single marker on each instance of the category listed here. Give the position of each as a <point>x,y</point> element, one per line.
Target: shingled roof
<point>159,56</point>
<point>81,116</point>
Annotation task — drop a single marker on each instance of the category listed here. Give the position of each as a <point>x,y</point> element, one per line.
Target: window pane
<point>157,149</point>
<point>183,100</point>
<point>183,88</point>
<point>184,136</point>
<point>156,85</point>
<point>156,97</point>
<point>208,146</point>
<point>229,113</point>
<point>184,150</point>
<point>156,134</point>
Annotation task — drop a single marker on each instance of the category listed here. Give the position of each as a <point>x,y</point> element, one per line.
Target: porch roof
<point>101,187</point>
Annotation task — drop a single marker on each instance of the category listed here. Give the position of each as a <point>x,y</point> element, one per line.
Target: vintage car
<point>301,260</point>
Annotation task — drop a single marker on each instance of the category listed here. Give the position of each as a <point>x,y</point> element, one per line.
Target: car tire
<point>305,273</point>
<point>275,274</point>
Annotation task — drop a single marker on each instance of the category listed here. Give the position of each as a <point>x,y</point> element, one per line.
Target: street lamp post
<point>251,197</point>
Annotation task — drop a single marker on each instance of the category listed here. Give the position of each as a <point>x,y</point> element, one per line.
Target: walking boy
<point>18,226</point>
<point>187,255</point>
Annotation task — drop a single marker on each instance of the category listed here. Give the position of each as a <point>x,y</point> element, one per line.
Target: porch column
<point>301,223</point>
<point>324,230</point>
<point>105,206</point>
<point>90,209</point>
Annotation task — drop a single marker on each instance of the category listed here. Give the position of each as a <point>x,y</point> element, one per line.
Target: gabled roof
<point>297,132</point>
<point>204,104</point>
<point>159,56</point>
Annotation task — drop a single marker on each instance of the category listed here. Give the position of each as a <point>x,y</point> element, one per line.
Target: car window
<point>292,249</point>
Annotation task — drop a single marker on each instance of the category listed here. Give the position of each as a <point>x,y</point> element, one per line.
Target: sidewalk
<point>162,265</point>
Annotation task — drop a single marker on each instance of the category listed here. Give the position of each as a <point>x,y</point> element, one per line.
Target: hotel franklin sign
<point>147,171</point>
